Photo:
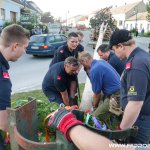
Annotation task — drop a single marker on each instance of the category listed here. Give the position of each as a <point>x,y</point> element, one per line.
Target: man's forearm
<point>131,114</point>
<point>93,141</point>
<point>73,89</point>
<point>65,97</point>
<point>96,99</point>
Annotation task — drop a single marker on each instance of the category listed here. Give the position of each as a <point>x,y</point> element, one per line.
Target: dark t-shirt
<point>78,50</point>
<point>136,80</point>
<point>118,64</point>
<point>61,54</point>
<point>5,84</point>
<point>56,80</point>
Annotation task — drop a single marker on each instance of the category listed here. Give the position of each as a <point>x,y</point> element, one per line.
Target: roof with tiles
<point>123,9</point>
<point>140,16</point>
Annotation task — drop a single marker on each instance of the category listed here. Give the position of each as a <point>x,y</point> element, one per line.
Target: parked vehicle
<point>45,44</point>
<point>81,27</point>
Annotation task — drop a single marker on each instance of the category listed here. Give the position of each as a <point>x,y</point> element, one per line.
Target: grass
<point>38,94</point>
<point>44,107</point>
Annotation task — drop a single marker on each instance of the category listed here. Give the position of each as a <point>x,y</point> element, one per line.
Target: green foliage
<point>44,107</point>
<point>7,23</point>
<point>29,26</point>
<point>104,15</point>
<point>47,17</point>
<point>147,34</point>
<point>133,30</point>
<point>148,10</point>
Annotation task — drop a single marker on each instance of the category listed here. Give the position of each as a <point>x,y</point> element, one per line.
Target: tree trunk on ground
<point>87,97</point>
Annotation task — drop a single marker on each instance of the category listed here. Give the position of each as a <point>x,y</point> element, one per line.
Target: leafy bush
<point>44,107</point>
<point>147,34</point>
<point>133,30</point>
<point>7,23</point>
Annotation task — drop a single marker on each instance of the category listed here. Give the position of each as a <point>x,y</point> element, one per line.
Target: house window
<point>2,14</point>
<point>120,22</point>
<point>131,27</point>
<point>13,16</point>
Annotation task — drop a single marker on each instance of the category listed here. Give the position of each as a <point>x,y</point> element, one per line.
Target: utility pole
<point>135,13</point>
<point>67,19</point>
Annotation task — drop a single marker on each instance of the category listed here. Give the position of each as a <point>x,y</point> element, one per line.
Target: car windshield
<point>37,39</point>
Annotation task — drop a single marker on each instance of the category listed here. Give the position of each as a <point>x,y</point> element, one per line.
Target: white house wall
<point>10,6</point>
<point>118,18</point>
<point>129,25</point>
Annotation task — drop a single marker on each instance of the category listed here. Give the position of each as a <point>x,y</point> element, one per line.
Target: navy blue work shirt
<point>136,80</point>
<point>61,54</point>
<point>56,80</point>
<point>118,64</point>
<point>5,84</point>
<point>78,50</point>
<point>104,77</point>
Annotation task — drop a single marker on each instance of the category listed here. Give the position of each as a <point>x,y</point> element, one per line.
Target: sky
<point>69,8</point>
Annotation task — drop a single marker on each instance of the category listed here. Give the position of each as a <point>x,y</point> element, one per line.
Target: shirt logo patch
<point>58,77</point>
<point>62,51</point>
<point>128,65</point>
<point>6,75</point>
<point>132,91</point>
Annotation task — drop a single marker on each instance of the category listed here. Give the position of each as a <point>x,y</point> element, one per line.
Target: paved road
<point>142,42</point>
<point>27,73</point>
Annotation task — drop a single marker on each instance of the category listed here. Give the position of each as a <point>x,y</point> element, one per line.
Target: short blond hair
<point>13,33</point>
<point>84,55</point>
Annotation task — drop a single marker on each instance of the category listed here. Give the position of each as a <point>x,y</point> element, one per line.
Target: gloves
<point>63,120</point>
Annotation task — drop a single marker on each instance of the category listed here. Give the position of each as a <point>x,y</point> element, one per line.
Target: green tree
<point>104,15</point>
<point>47,17</point>
<point>148,10</point>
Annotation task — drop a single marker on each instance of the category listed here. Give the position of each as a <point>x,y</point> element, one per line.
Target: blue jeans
<point>143,136</point>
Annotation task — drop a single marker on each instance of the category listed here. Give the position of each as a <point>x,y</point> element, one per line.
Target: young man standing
<point>13,42</point>
<point>135,81</point>
<point>66,50</point>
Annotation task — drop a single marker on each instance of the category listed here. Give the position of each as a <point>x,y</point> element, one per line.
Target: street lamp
<point>67,20</point>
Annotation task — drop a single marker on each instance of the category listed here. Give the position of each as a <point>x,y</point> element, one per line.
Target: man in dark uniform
<point>66,50</point>
<point>135,91</point>
<point>59,84</point>
<point>13,41</point>
<point>105,53</point>
<point>72,48</point>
